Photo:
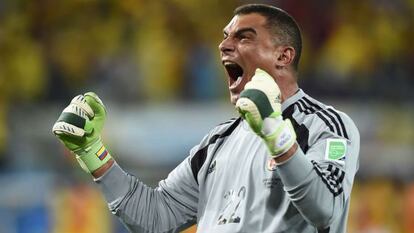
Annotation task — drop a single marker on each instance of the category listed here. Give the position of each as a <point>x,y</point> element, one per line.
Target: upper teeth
<point>229,63</point>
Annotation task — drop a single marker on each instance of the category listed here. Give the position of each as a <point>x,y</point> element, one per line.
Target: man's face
<point>247,45</point>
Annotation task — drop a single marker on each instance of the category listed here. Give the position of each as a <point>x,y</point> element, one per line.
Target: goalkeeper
<point>287,164</point>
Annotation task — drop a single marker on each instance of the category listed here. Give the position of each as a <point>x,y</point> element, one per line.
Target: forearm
<point>308,192</point>
<point>139,207</point>
<point>287,155</point>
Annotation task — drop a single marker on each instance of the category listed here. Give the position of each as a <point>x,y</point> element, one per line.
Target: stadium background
<point>156,66</point>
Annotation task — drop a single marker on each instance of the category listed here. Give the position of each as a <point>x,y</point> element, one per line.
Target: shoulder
<point>349,125</point>
<point>227,126</point>
<point>199,154</point>
<point>329,118</point>
<point>222,130</point>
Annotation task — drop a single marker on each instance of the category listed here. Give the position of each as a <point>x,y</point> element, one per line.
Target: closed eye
<point>242,33</point>
<point>241,37</point>
<point>245,33</point>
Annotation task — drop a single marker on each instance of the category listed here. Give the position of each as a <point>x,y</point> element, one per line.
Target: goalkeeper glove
<point>259,104</point>
<point>79,127</point>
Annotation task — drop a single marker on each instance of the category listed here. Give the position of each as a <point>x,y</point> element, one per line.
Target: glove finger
<point>259,101</point>
<point>255,125</point>
<point>60,128</point>
<point>79,106</point>
<point>248,111</point>
<point>72,124</point>
<point>265,81</point>
<point>95,103</point>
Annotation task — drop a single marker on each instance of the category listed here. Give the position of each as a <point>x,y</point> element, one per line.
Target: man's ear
<point>284,56</point>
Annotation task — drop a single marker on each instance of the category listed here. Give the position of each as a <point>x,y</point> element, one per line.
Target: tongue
<point>237,82</point>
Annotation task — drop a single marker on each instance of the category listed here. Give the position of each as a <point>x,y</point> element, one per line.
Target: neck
<point>287,85</point>
<point>288,90</point>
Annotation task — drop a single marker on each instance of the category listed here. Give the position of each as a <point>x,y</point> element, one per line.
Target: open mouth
<point>234,71</point>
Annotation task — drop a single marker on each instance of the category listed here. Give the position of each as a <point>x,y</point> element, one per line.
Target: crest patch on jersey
<point>335,149</point>
<point>271,164</point>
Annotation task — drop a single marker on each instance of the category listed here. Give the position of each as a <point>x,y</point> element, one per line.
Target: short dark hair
<point>280,23</point>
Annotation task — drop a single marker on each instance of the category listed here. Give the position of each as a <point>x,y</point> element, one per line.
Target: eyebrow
<point>241,31</point>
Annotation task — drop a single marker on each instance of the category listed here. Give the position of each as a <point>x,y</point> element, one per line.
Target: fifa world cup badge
<point>335,150</point>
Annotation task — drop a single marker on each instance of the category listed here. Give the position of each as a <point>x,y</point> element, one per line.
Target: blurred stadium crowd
<point>153,62</point>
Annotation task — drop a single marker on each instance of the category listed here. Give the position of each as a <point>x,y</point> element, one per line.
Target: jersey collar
<point>291,100</point>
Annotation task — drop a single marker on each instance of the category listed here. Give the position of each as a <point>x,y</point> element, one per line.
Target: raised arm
<point>318,183</point>
<point>168,208</point>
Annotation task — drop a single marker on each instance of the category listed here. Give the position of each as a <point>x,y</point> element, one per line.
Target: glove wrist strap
<point>281,140</point>
<point>93,157</point>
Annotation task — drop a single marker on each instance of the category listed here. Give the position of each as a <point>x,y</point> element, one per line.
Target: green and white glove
<point>259,104</point>
<point>79,129</point>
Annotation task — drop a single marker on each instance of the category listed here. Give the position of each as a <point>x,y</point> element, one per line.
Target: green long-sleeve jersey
<point>229,183</point>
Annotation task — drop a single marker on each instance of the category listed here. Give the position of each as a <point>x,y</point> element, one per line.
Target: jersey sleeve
<point>170,207</point>
<point>319,182</point>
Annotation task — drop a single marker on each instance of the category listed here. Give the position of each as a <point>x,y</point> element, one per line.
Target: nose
<point>226,46</point>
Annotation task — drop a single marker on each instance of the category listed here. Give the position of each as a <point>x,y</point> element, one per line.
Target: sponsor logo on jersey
<point>335,149</point>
